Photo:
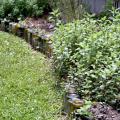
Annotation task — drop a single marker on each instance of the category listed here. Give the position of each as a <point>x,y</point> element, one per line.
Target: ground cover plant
<point>87,52</point>
<point>27,87</point>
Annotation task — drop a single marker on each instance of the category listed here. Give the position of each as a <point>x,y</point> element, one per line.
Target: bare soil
<point>39,23</point>
<point>102,111</point>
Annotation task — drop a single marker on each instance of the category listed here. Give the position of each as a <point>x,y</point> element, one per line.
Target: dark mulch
<point>102,111</point>
<point>39,23</point>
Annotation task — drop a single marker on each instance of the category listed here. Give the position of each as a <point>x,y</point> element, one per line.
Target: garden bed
<point>39,23</point>
<point>103,111</point>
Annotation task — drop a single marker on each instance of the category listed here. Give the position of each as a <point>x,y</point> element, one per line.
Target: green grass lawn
<point>27,86</point>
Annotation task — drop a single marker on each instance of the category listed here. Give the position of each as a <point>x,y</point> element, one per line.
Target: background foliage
<point>87,51</point>
<point>70,9</point>
<point>16,8</point>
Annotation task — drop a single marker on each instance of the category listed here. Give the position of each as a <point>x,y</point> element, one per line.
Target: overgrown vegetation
<point>21,8</point>
<point>27,87</point>
<point>87,52</point>
<point>70,9</point>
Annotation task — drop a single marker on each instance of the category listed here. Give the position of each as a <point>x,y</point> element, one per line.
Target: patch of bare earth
<point>39,23</point>
<point>104,112</point>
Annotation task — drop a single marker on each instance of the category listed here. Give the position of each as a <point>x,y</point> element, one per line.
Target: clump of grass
<point>26,83</point>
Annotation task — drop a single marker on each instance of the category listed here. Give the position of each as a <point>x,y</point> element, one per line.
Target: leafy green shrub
<point>1,12</point>
<point>55,17</point>
<point>88,53</point>
<point>25,8</point>
<point>6,7</point>
<point>37,7</point>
